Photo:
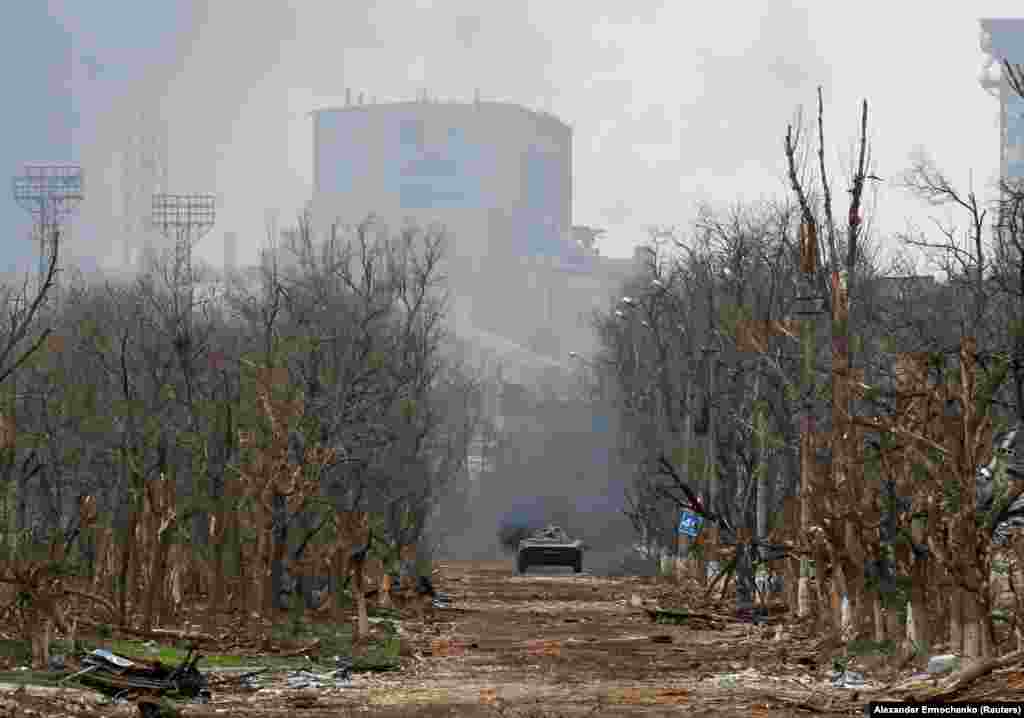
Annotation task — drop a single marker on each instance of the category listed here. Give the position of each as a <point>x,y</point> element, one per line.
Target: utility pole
<point>184,219</point>
<point>711,364</point>
<point>51,193</point>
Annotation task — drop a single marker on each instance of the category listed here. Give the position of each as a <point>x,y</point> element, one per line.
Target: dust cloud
<point>557,462</point>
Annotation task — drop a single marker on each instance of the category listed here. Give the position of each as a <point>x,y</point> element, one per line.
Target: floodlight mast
<point>50,193</point>
<point>184,219</point>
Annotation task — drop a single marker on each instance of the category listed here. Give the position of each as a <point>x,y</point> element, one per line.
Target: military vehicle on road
<point>550,546</point>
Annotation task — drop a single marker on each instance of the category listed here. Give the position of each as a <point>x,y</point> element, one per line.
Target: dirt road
<point>554,644</point>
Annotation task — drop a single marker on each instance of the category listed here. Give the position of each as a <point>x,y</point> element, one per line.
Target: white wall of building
<point>499,178</point>
<point>496,175</point>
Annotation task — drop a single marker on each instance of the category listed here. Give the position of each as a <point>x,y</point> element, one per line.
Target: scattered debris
<point>953,684</point>
<point>770,584</point>
<point>682,617</point>
<point>756,615</point>
<point>338,678</point>
<point>300,651</point>
<point>117,676</point>
<point>156,708</point>
<point>847,679</point>
<point>939,665</point>
<point>544,648</point>
<point>649,696</point>
<point>247,681</point>
<point>304,699</point>
<point>298,679</point>
<point>735,670</point>
<point>489,696</point>
<point>444,648</point>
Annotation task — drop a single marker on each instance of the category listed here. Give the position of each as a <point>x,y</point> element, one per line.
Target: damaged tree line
<point>851,426</point>
<point>286,439</point>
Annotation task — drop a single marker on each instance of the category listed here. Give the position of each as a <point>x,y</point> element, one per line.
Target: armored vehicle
<point>550,546</point>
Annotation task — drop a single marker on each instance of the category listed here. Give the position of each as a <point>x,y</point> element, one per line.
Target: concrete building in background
<point>492,173</point>
<point>1002,39</point>
<point>522,280</point>
<point>498,178</point>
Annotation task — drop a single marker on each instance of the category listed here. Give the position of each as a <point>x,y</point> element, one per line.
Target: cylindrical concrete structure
<point>497,176</point>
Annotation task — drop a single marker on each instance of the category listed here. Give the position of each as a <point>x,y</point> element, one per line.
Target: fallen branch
<point>196,638</point>
<point>714,583</point>
<point>958,681</point>
<point>184,635</point>
<point>300,651</point>
<point>665,615</point>
<point>241,678</point>
<point>803,705</point>
<point>111,609</point>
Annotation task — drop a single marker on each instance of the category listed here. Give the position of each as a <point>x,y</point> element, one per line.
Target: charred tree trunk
<point>156,601</point>
<point>218,536</point>
<point>362,623</point>
<point>280,549</point>
<point>163,515</point>
<point>339,568</point>
<point>128,574</point>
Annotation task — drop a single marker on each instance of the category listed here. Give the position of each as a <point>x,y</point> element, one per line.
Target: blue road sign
<point>690,523</point>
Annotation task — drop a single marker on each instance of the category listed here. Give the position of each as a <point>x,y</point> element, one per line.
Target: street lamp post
<point>586,364</point>
<point>594,374</point>
<point>51,193</point>
<point>622,316</point>
<point>660,291</point>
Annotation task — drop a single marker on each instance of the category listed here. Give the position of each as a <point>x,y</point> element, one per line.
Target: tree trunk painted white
<point>956,621</point>
<point>876,605</point>
<point>972,626</point>
<point>362,623</point>
<point>803,592</point>
<point>913,634</point>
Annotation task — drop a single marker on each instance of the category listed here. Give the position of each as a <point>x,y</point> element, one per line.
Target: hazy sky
<point>669,105</point>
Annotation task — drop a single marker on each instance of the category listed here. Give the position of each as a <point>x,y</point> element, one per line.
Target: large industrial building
<point>498,177</point>
<point>524,282</point>
<point>490,169</point>
<point>1002,39</point>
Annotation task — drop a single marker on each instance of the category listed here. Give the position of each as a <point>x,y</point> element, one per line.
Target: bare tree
<point>835,280</point>
<point>964,260</point>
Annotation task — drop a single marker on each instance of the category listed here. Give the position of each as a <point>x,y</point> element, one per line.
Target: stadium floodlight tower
<point>51,193</point>
<point>184,219</point>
